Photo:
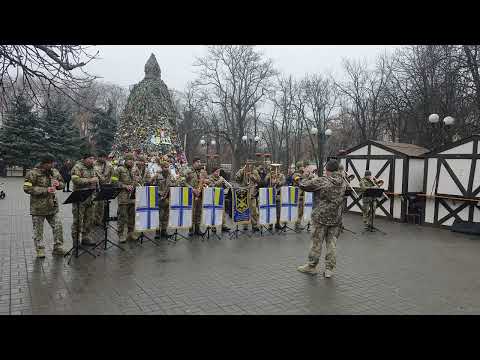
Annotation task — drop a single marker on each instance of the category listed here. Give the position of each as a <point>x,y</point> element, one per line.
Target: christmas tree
<point>22,140</point>
<point>148,121</point>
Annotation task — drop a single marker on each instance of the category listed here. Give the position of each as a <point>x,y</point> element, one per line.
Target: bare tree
<point>37,69</point>
<point>236,78</point>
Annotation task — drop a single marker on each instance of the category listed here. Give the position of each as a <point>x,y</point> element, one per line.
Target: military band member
<point>218,181</point>
<point>126,177</point>
<point>276,179</point>
<point>367,183</point>
<point>41,183</point>
<point>164,180</point>
<point>249,177</point>
<point>84,177</point>
<point>296,178</point>
<point>328,192</point>
<point>141,165</point>
<point>194,180</point>
<point>104,172</point>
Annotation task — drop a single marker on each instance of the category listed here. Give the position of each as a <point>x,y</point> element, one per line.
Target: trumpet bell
<point>380,182</point>
<point>350,177</point>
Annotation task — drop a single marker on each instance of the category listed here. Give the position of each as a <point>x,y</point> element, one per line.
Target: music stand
<point>374,193</point>
<point>78,197</point>
<point>207,234</point>
<point>237,231</point>
<point>107,194</point>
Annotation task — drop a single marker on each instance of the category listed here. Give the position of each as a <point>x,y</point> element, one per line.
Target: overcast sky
<point>123,64</point>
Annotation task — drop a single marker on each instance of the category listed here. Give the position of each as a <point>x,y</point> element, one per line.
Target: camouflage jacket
<point>328,193</point>
<point>164,182</point>
<point>217,181</point>
<point>104,171</point>
<point>250,183</point>
<point>280,182</point>
<point>145,177</point>
<point>366,184</point>
<point>192,177</point>
<point>81,176</point>
<point>124,177</point>
<point>37,181</point>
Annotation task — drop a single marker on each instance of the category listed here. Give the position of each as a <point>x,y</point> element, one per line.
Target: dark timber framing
<point>467,193</point>
<point>389,163</point>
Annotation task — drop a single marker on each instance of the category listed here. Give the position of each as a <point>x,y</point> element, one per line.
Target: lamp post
<point>251,143</point>
<point>206,143</point>
<point>441,127</point>
<point>322,138</point>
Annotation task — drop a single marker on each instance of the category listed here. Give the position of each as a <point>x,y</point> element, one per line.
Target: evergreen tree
<point>22,141</point>
<point>104,128</point>
<point>64,137</point>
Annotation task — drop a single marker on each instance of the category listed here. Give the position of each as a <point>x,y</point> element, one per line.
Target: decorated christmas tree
<point>148,122</point>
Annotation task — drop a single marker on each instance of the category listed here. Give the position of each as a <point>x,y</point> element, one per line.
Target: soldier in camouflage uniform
<point>218,181</point>
<point>249,177</point>
<point>84,177</point>
<point>41,183</point>
<point>328,192</point>
<point>193,177</point>
<point>164,180</point>
<point>276,183</point>
<point>126,177</point>
<point>104,172</point>
<point>142,170</point>
<point>368,202</point>
<point>296,178</point>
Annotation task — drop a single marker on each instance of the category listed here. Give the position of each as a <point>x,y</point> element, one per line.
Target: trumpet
<point>347,178</point>
<point>274,175</point>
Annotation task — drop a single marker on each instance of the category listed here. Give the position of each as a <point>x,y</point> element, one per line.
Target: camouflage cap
<point>101,153</point>
<point>332,165</point>
<point>299,164</point>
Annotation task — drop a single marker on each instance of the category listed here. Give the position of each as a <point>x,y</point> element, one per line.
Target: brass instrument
<point>347,178</point>
<point>274,174</point>
<point>379,183</point>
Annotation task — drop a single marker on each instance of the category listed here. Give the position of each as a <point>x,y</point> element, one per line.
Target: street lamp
<point>442,126</point>
<point>250,141</point>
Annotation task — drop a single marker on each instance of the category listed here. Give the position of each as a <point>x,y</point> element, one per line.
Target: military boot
<point>163,233</point>
<point>190,231</point>
<point>41,253</point>
<point>225,228</point>
<point>121,237</point>
<point>58,250</point>
<point>308,269</point>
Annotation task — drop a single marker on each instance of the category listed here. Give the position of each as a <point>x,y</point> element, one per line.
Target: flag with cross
<point>267,206</point>
<point>307,206</point>
<point>146,208</point>
<point>212,206</point>
<point>289,204</point>
<point>180,213</point>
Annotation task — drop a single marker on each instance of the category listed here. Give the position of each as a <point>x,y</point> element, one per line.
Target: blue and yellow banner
<point>240,206</point>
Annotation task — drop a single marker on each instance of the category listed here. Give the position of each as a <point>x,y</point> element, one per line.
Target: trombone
<point>379,183</point>
<point>347,178</point>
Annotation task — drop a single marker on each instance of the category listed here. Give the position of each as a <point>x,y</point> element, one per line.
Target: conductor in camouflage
<point>328,192</point>
<point>41,183</point>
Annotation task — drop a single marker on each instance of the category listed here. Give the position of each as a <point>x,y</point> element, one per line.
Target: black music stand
<point>78,197</point>
<point>234,233</point>
<point>374,193</point>
<point>107,194</point>
<point>207,234</point>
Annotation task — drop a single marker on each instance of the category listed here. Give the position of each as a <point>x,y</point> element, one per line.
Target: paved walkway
<point>412,270</point>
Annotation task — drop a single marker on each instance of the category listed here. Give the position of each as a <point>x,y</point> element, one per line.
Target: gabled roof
<point>453,144</point>
<point>407,149</point>
<point>401,149</point>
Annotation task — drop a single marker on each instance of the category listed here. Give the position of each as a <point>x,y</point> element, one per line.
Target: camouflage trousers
<point>253,211</point>
<point>163,214</point>
<point>83,220</point>
<point>367,211</point>
<point>300,211</point>
<point>55,224</point>
<point>99,208</point>
<point>329,235</point>
<point>126,216</point>
<point>197,211</point>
